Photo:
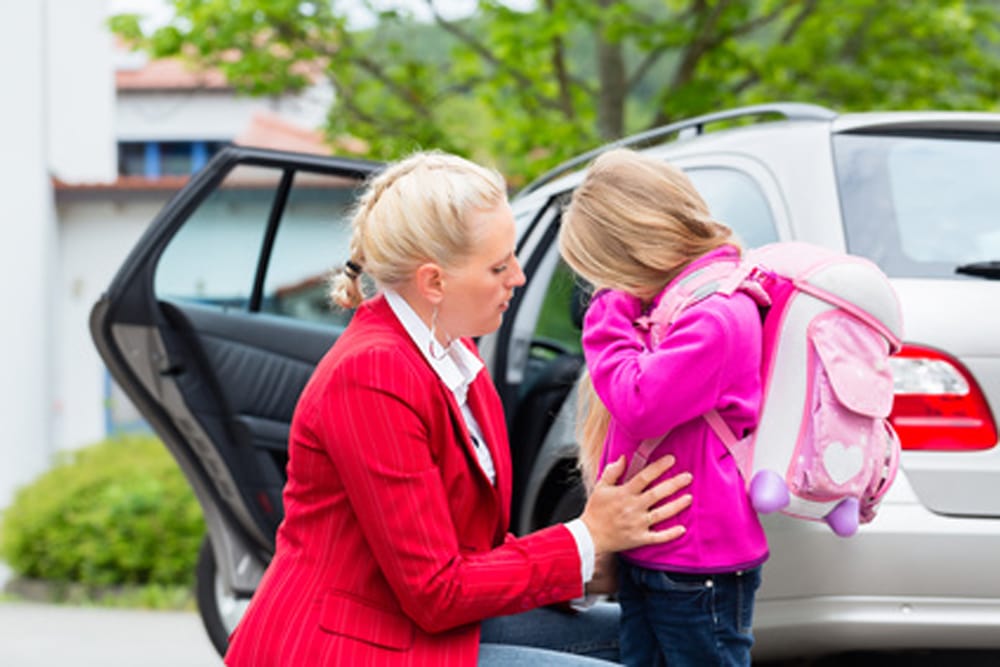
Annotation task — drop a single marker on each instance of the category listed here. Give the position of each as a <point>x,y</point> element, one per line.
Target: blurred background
<point>96,139</point>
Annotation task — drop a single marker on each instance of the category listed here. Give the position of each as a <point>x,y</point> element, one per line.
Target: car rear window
<point>919,205</point>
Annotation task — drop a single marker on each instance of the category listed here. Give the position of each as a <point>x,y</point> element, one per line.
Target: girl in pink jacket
<point>634,226</point>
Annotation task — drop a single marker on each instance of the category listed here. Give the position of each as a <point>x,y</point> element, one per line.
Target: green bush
<point>117,512</point>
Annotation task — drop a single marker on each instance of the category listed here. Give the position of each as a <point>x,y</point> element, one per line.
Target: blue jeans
<point>550,638</point>
<point>678,619</point>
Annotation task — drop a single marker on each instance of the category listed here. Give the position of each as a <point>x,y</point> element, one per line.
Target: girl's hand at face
<point>621,517</point>
<point>615,301</point>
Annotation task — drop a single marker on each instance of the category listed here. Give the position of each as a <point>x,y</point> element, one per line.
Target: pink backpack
<point>824,448</point>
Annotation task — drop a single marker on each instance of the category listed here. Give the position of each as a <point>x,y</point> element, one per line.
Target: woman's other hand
<point>621,517</point>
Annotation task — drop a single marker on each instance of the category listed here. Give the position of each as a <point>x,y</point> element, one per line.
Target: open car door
<point>212,326</point>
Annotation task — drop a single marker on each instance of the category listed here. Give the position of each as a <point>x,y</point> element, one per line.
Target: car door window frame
<point>758,173</point>
<point>509,346</point>
<point>275,217</point>
<point>286,167</point>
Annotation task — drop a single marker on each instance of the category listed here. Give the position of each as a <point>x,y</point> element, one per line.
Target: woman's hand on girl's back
<point>621,517</point>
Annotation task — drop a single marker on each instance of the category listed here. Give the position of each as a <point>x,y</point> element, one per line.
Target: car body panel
<point>888,587</point>
<point>932,307</point>
<point>876,121</point>
<point>795,154</point>
<point>966,483</point>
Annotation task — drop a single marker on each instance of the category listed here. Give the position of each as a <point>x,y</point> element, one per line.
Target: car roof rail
<point>685,128</point>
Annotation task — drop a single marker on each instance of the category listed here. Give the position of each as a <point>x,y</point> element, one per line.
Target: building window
<point>155,159</point>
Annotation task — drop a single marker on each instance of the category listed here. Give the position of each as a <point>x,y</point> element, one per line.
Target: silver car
<point>214,322</point>
<point>917,194</point>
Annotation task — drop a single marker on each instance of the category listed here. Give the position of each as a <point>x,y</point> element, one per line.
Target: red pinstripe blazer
<point>394,544</point>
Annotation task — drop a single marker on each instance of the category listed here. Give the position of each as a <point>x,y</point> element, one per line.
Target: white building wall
<point>80,91</point>
<point>217,115</point>
<point>96,232</point>
<point>56,64</point>
<point>59,65</point>
<point>26,253</point>
<point>182,116</point>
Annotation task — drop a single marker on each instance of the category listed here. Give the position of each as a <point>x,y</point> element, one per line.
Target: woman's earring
<point>436,350</point>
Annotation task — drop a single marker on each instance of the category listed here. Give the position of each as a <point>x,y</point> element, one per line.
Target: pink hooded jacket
<point>710,359</point>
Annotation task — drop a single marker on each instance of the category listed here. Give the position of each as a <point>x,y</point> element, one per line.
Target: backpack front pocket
<point>850,396</point>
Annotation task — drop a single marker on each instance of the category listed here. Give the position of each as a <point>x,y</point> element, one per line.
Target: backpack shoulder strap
<point>690,288</point>
<point>720,277</point>
<point>641,456</point>
<point>740,449</point>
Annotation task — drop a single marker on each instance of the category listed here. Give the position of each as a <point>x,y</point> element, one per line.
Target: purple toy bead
<point>843,519</point>
<point>768,492</point>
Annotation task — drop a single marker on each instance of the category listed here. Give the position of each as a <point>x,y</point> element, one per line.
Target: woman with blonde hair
<point>634,226</point>
<point>395,549</point>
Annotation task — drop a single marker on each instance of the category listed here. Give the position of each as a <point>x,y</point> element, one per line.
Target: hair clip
<point>352,269</point>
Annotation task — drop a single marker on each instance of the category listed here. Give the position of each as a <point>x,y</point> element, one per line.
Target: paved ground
<point>37,635</point>
<point>42,635</point>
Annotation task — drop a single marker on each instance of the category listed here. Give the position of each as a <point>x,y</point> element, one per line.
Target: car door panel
<point>241,375</point>
<point>215,321</point>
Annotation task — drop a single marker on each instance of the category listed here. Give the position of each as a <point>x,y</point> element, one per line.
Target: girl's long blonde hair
<point>633,224</point>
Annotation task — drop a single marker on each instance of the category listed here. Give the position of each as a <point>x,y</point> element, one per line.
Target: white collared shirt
<point>457,369</point>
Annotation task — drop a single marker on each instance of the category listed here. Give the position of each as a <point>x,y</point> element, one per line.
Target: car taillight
<point>938,404</point>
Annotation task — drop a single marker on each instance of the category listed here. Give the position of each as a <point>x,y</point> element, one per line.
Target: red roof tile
<point>269,130</point>
<point>123,183</point>
<point>169,74</point>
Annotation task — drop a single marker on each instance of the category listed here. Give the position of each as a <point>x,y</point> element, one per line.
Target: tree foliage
<point>526,89</point>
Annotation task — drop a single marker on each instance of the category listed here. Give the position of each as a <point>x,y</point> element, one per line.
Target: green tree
<point>526,89</point>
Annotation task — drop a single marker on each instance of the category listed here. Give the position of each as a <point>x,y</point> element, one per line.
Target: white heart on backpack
<point>842,462</point>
